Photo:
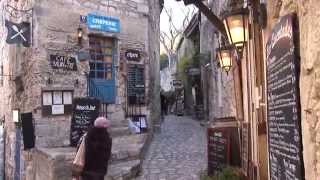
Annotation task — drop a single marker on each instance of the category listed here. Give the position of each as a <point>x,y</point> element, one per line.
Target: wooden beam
<point>211,16</point>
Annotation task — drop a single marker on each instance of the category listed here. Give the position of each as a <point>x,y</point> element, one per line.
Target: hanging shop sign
<point>133,55</point>
<point>176,83</point>
<point>67,63</point>
<point>85,111</point>
<point>103,23</point>
<point>194,71</point>
<point>18,33</point>
<point>284,118</point>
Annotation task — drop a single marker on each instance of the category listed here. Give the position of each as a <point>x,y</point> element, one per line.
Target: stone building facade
<point>218,86</point>
<point>28,73</point>
<point>244,93</point>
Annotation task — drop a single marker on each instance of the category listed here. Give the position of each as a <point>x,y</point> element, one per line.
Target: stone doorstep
<point>125,162</point>
<point>124,170</point>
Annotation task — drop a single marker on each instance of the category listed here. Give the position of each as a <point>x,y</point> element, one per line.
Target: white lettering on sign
<point>132,55</point>
<point>104,22</point>
<point>63,62</point>
<point>86,108</point>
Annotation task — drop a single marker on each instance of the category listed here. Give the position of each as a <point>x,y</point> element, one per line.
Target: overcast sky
<point>179,10</point>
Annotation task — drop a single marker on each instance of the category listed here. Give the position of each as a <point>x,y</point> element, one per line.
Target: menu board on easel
<point>218,150</point>
<point>85,111</point>
<point>284,118</point>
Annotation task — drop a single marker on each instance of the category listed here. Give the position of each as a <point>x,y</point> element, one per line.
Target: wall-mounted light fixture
<point>225,57</point>
<point>236,24</point>
<point>80,35</point>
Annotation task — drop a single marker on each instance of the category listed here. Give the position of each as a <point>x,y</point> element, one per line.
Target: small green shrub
<point>227,173</point>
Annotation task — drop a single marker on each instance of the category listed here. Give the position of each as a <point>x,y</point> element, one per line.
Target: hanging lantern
<point>224,56</point>
<point>236,25</point>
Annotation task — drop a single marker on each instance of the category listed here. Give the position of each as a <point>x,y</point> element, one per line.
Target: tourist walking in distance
<point>98,145</point>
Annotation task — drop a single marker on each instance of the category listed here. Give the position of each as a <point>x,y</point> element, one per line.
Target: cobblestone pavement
<point>177,153</point>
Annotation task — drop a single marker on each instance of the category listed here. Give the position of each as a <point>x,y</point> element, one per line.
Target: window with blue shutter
<point>102,70</point>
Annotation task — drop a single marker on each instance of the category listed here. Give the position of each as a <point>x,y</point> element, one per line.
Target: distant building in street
<point>105,49</point>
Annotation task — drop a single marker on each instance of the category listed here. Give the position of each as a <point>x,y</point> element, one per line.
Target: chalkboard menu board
<point>85,111</point>
<point>135,84</point>
<point>218,150</point>
<point>284,121</point>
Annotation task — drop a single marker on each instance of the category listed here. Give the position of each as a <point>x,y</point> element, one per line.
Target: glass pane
<point>108,59</point>
<point>108,66</point>
<point>92,74</point>
<point>47,98</point>
<point>99,66</point>
<point>57,97</point>
<point>92,66</point>
<point>108,75</point>
<point>107,50</point>
<point>100,75</point>
<point>108,43</point>
<point>67,97</point>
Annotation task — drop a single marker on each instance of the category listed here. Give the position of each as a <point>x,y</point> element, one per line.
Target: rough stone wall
<point>309,23</point>
<point>220,86</point>
<point>55,25</point>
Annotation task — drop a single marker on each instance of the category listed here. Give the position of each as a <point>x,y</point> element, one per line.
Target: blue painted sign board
<point>103,23</point>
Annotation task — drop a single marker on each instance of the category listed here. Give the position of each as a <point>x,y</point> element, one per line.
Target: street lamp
<point>236,25</point>
<point>224,56</point>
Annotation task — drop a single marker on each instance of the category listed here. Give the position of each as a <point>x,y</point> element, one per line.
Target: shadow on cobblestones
<point>177,153</point>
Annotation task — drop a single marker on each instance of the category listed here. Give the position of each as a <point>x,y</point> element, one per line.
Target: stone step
<point>124,170</point>
<point>126,148</point>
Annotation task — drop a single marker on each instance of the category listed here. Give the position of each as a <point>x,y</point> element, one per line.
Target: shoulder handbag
<point>79,160</point>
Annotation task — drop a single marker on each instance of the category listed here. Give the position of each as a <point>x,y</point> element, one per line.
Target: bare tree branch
<point>169,38</point>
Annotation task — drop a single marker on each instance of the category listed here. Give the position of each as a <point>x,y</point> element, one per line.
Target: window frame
<point>47,109</point>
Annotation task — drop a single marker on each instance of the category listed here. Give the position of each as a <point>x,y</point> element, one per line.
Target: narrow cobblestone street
<point>177,153</point>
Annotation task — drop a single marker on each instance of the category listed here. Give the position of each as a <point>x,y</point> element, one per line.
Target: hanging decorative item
<point>19,29</point>
<point>133,55</point>
<point>18,33</point>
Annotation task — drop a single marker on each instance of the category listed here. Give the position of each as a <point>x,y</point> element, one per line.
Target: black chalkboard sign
<point>85,111</point>
<point>133,55</point>
<point>27,130</point>
<point>135,84</point>
<point>67,63</point>
<point>218,150</point>
<point>284,120</point>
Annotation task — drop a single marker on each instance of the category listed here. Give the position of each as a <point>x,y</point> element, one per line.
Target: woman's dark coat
<point>97,153</point>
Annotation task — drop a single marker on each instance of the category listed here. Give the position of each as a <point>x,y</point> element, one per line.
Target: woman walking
<point>98,145</point>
